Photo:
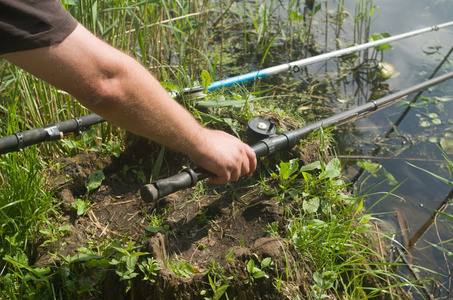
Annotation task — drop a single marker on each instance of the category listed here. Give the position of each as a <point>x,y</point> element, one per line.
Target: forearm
<point>118,88</point>
<point>114,86</point>
<point>134,100</point>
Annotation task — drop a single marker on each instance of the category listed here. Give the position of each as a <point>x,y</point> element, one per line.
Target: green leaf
<point>325,280</point>
<point>88,136</point>
<point>313,166</point>
<point>82,257</point>
<point>71,144</point>
<point>333,168</point>
<point>436,121</point>
<point>444,99</point>
<point>424,123</point>
<point>230,255</point>
<point>65,228</point>
<point>369,166</point>
<point>259,274</point>
<point>446,144</point>
<point>206,78</point>
<point>80,206</point>
<point>250,266</point>
<point>380,36</point>
<point>316,223</point>
<point>288,168</point>
<point>266,262</point>
<point>390,177</point>
<point>139,254</point>
<point>295,15</point>
<point>220,291</point>
<point>316,9</point>
<point>95,180</point>
<point>311,206</point>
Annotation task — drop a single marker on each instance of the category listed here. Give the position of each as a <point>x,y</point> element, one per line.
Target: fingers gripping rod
<point>189,177</point>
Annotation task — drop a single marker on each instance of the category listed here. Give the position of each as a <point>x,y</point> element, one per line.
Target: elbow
<point>106,85</point>
<point>103,93</point>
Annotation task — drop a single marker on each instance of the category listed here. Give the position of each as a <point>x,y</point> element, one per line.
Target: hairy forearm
<point>133,99</point>
<point>115,86</point>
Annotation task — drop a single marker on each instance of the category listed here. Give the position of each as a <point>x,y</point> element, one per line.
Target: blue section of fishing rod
<point>318,58</point>
<point>237,80</point>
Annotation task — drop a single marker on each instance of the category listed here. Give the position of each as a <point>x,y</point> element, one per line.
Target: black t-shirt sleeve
<point>31,24</point>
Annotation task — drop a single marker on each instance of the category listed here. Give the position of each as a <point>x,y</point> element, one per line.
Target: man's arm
<point>118,88</point>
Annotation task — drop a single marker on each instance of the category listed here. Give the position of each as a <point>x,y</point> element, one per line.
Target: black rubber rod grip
<point>189,177</point>
<point>34,136</point>
<point>164,187</point>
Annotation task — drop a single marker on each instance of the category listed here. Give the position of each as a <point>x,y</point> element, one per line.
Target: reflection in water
<point>405,197</point>
<point>419,208</point>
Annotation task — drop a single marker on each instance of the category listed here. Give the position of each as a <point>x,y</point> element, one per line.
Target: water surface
<point>414,138</point>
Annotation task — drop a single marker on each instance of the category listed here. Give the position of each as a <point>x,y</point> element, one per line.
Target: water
<point>395,137</point>
<point>420,194</point>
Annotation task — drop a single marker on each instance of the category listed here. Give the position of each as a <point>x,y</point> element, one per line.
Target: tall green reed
<point>26,206</point>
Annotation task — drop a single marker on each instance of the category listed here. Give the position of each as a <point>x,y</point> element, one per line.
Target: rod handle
<point>189,177</point>
<point>164,187</point>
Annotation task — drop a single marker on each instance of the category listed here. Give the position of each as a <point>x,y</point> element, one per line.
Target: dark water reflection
<point>392,137</point>
<point>420,194</point>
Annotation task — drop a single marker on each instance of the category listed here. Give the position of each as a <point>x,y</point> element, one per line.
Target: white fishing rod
<point>17,141</point>
<point>296,65</point>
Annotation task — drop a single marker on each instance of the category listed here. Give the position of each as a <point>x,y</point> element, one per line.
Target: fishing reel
<point>259,129</point>
<point>189,94</point>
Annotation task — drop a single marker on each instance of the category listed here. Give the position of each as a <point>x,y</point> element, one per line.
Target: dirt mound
<point>220,236</point>
<point>202,244</point>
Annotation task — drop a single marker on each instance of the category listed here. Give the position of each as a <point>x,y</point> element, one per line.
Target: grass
<point>174,40</point>
<point>330,228</point>
<point>27,210</point>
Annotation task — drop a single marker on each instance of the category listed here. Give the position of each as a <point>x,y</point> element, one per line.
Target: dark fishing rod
<point>20,140</point>
<point>189,177</point>
<point>54,132</point>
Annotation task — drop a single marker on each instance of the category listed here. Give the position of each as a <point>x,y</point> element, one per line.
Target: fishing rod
<point>297,65</point>
<point>406,111</point>
<point>357,177</point>
<point>20,140</point>
<point>189,177</point>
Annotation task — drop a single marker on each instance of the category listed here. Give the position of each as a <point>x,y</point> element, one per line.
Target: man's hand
<point>118,88</point>
<point>223,155</point>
